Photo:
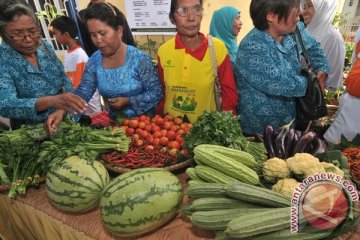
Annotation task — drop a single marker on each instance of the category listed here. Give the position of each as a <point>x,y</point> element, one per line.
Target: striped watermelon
<point>76,185</point>
<point>140,201</point>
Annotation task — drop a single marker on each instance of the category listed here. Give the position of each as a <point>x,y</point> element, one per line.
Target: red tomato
<point>149,148</point>
<point>163,132</point>
<point>156,142</point>
<point>164,141</point>
<point>155,128</point>
<point>124,128</point>
<point>150,139</point>
<point>144,134</point>
<point>178,121</point>
<point>136,136</point>
<point>157,134</point>
<point>142,125</point>
<point>125,122</point>
<point>148,128</point>
<point>171,135</point>
<point>179,139</point>
<point>133,123</point>
<point>180,132</point>
<point>169,117</point>
<point>130,131</point>
<point>138,130</point>
<point>173,152</point>
<point>167,125</point>
<point>159,121</point>
<point>174,145</point>
<point>183,125</point>
<point>139,143</point>
<point>184,152</point>
<point>144,118</point>
<point>174,128</point>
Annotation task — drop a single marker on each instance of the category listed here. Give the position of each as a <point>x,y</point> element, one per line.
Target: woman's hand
<point>118,103</point>
<point>321,76</point>
<point>70,102</point>
<point>53,121</point>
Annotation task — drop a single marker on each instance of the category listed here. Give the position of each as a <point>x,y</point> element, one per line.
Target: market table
<point>34,218</point>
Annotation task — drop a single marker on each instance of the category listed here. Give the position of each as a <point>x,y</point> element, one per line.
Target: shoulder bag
<point>313,105</point>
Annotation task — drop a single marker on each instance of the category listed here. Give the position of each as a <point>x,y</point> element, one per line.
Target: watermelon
<point>76,184</point>
<point>140,201</point>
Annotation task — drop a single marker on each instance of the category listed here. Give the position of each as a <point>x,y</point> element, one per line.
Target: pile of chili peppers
<point>353,155</point>
<point>139,157</point>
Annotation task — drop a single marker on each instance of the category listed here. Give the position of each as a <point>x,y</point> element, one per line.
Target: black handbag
<point>312,105</point>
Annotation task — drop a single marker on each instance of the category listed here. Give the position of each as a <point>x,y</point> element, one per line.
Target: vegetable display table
<point>34,218</point>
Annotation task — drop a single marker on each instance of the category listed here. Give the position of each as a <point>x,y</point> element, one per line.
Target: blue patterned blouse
<point>136,79</point>
<point>21,83</point>
<point>268,78</point>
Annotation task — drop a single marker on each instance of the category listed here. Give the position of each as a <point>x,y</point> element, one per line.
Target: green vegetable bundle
<point>223,129</point>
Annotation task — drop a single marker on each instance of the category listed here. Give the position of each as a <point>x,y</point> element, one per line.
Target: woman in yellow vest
<point>185,67</point>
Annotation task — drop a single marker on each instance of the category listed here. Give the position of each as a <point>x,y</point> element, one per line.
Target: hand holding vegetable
<point>70,102</point>
<point>119,102</point>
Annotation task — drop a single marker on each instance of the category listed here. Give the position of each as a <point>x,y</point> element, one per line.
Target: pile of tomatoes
<point>167,132</point>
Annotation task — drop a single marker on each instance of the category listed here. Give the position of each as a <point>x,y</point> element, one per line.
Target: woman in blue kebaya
<point>225,25</point>
<point>124,75</point>
<point>30,73</point>
<point>267,67</point>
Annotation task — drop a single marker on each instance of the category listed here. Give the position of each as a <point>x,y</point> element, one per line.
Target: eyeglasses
<point>185,11</point>
<point>33,34</point>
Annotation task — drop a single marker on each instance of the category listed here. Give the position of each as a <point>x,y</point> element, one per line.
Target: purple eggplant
<point>304,141</point>
<point>269,140</point>
<point>280,143</point>
<point>319,147</point>
<point>290,143</point>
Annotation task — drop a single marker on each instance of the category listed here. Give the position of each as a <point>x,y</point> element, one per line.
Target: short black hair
<point>112,16</point>
<point>260,8</point>
<point>65,25</point>
<point>173,8</point>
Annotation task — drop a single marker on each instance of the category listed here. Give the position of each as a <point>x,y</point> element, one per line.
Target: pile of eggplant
<point>286,142</point>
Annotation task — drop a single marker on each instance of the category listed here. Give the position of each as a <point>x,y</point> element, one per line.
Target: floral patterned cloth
<point>268,78</point>
<point>136,79</point>
<point>21,83</point>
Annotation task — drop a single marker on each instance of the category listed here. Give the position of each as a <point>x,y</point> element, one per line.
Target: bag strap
<point>217,85</point>
<point>304,52</point>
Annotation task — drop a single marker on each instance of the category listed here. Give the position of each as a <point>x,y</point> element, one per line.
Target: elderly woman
<point>185,66</point>
<point>30,73</point>
<point>267,67</point>
<point>122,73</point>
<point>226,24</point>
<point>318,16</point>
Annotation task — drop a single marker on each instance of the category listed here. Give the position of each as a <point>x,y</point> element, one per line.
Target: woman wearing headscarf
<point>225,25</point>
<point>318,15</point>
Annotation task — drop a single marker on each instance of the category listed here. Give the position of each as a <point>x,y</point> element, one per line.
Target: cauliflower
<point>275,168</point>
<point>329,167</point>
<point>304,164</point>
<point>285,186</point>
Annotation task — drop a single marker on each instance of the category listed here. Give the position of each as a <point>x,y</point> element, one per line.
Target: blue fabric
<point>221,26</point>
<point>136,79</point>
<point>267,78</point>
<point>21,83</point>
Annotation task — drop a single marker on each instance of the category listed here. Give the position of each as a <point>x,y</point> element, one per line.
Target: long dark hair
<point>113,17</point>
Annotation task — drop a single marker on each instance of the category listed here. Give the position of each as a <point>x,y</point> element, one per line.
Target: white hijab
<point>330,39</point>
<point>325,11</point>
